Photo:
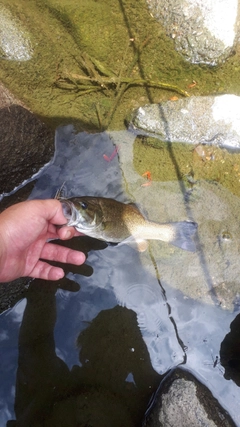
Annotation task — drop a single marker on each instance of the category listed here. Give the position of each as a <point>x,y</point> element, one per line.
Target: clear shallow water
<point>119,324</point>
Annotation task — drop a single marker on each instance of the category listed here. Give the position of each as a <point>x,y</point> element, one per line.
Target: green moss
<point>61,31</point>
<point>169,162</point>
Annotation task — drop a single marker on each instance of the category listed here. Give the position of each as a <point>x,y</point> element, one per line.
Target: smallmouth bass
<point>115,222</point>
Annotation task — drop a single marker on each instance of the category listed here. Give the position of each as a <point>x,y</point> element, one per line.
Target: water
<point>103,337</point>
<point>107,332</point>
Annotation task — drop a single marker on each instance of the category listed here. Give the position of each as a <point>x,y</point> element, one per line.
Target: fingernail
<point>68,234</point>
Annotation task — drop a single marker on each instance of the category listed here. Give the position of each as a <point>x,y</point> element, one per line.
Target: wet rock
<point>14,39</point>
<point>183,401</point>
<point>212,120</point>
<point>210,275</point>
<point>204,32</point>
<point>11,293</point>
<point>7,98</point>
<point>26,145</point>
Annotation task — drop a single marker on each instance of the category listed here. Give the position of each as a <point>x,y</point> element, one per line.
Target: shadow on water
<point>189,212</point>
<point>230,352</point>
<point>109,351</point>
<point>93,347</point>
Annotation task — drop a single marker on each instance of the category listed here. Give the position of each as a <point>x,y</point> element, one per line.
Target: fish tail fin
<point>183,234</point>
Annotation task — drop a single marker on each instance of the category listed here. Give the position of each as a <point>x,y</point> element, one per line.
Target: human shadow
<point>112,384</point>
<point>230,352</point>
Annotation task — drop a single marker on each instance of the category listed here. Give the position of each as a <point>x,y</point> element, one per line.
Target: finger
<point>54,252</point>
<point>45,271</point>
<point>66,233</point>
<point>50,209</point>
<point>52,229</point>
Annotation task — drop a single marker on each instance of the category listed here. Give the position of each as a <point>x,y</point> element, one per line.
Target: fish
<point>116,222</point>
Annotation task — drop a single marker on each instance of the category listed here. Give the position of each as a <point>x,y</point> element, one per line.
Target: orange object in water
<point>148,175</point>
<point>193,84</point>
<point>149,178</point>
<point>115,151</point>
<point>146,184</point>
<point>106,158</point>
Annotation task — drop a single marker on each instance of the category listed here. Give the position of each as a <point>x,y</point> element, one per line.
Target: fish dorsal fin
<point>61,192</point>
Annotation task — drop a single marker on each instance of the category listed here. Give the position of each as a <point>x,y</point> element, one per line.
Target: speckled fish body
<point>113,221</point>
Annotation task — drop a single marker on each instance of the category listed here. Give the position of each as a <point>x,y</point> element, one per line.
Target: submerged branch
<point>98,78</point>
<point>78,82</point>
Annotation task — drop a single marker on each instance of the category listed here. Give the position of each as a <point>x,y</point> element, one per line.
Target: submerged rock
<point>14,39</point>
<point>26,145</point>
<point>184,401</point>
<point>211,275</point>
<point>212,120</point>
<point>204,31</point>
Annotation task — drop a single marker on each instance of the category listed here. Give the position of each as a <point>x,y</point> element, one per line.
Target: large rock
<point>185,402</point>
<point>15,41</point>
<point>26,145</point>
<point>213,120</point>
<point>204,31</point>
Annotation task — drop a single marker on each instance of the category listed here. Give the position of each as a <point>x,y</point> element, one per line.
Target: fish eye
<point>84,205</point>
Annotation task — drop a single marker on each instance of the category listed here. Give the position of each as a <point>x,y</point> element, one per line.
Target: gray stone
<point>14,40</point>
<point>213,120</point>
<point>184,402</point>
<point>214,269</point>
<point>203,31</point>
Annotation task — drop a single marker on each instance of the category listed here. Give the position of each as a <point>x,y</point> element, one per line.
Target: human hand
<point>25,229</point>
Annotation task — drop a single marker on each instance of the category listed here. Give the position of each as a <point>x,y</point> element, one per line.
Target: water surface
<point>107,332</point>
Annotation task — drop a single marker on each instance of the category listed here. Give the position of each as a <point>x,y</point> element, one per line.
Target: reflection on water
<point>230,352</point>
<point>104,335</point>
<point>106,361</point>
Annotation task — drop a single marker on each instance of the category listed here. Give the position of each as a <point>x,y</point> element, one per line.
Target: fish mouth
<point>69,212</point>
<point>76,219</point>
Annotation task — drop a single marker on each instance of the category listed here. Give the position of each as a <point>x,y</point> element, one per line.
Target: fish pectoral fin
<point>139,245</point>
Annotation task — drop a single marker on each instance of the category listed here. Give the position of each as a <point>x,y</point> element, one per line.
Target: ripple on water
<point>145,300</point>
<point>153,320</point>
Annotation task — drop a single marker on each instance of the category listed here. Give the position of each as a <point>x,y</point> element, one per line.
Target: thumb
<point>66,233</point>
